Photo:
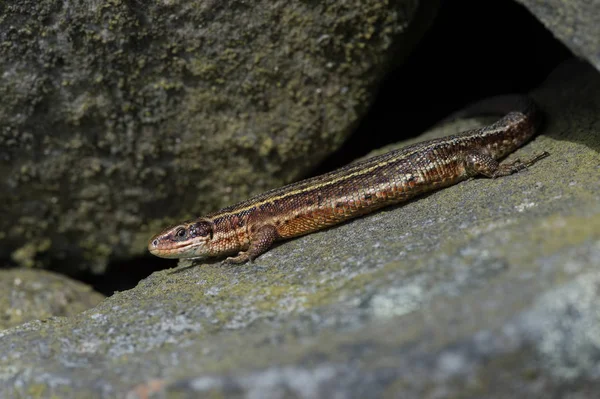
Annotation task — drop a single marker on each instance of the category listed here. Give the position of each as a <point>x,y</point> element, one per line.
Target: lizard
<point>249,228</point>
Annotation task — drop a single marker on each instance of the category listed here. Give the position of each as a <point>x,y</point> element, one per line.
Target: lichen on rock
<point>118,118</point>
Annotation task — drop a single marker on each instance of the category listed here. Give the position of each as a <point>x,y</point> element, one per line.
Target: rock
<point>30,294</point>
<point>118,118</point>
<point>485,289</point>
<point>575,23</point>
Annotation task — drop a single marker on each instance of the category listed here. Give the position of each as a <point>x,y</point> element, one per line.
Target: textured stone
<point>574,22</point>
<point>28,294</point>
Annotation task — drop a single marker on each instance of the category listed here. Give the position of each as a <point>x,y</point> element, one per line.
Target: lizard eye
<point>180,234</point>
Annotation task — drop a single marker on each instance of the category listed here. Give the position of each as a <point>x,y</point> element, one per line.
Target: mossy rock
<point>120,117</point>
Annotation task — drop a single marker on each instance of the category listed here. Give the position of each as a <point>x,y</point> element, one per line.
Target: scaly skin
<point>249,228</point>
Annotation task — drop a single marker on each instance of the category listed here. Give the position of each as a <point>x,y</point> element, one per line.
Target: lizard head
<point>184,240</point>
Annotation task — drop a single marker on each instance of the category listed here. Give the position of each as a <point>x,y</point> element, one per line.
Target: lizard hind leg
<point>260,242</point>
<point>483,164</point>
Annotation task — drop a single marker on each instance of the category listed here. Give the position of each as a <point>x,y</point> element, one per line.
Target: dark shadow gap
<point>474,49</point>
<point>124,275</point>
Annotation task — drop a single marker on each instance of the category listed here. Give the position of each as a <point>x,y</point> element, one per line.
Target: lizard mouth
<point>170,250</point>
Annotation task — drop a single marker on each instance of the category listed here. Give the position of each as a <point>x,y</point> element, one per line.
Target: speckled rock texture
<point>574,22</point>
<point>29,294</point>
<point>119,117</point>
<point>488,288</point>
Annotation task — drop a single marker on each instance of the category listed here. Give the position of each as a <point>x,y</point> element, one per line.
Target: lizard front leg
<point>260,242</point>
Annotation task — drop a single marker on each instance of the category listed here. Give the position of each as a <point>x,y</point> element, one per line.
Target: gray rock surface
<point>485,289</point>
<point>574,22</point>
<point>120,117</point>
<point>31,294</point>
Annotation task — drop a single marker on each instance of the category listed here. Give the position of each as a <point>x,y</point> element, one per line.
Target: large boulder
<point>120,117</point>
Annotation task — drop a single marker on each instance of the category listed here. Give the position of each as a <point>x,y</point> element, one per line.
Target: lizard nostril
<point>155,243</point>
